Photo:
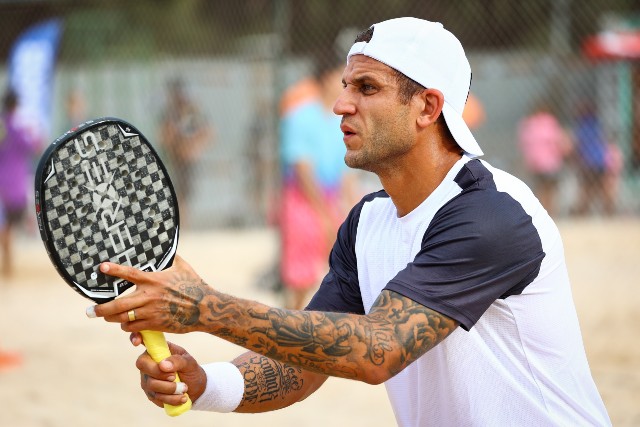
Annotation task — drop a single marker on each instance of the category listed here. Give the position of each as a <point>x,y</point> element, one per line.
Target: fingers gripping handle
<point>158,349</point>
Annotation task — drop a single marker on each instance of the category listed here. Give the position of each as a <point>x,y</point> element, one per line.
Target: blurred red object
<point>613,45</point>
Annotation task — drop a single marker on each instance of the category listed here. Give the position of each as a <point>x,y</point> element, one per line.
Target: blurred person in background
<point>544,145</point>
<point>18,147</point>
<point>317,187</point>
<point>449,285</point>
<point>184,134</point>
<point>592,162</point>
<point>615,166</point>
<point>17,150</point>
<point>262,158</point>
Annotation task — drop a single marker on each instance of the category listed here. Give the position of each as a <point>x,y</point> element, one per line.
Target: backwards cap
<point>430,55</point>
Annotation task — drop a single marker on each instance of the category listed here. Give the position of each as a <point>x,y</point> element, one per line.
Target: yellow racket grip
<point>158,349</point>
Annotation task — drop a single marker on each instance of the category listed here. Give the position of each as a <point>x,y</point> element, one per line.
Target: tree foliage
<point>96,29</point>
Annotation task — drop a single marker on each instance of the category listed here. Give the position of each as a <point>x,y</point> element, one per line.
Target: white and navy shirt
<point>482,250</point>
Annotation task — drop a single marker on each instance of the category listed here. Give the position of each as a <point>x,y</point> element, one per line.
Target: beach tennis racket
<point>103,194</point>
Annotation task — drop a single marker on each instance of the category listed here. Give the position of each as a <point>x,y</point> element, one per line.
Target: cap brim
<point>460,131</point>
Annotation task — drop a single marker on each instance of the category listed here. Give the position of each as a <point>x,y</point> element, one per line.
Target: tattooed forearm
<point>395,333</point>
<point>379,344</point>
<point>183,301</point>
<point>267,380</point>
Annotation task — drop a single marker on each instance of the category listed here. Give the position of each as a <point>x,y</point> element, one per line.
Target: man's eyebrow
<point>365,78</point>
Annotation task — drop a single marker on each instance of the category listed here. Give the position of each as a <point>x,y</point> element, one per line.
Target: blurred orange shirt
<point>473,114</point>
<point>297,94</point>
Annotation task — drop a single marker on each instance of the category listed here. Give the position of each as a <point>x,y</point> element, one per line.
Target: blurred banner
<point>31,70</point>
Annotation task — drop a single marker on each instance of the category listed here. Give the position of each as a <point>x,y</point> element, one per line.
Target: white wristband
<point>224,390</point>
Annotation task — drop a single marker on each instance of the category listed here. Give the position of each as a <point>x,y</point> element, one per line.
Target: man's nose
<point>344,104</point>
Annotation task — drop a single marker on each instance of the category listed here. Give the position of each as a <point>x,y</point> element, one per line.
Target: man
<point>18,147</point>
<point>450,285</point>
<point>317,187</point>
<point>184,134</point>
<point>545,145</point>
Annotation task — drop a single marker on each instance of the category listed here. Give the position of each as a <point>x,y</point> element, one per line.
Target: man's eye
<point>367,88</point>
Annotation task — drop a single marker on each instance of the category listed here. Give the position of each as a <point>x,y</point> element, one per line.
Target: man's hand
<point>156,379</point>
<point>164,301</point>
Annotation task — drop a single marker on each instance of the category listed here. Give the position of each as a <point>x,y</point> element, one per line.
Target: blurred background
<point>234,59</point>
<point>555,100</point>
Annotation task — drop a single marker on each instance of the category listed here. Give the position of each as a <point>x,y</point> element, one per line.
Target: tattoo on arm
<point>184,302</point>
<point>416,328</point>
<point>268,381</point>
<point>190,315</point>
<point>396,332</point>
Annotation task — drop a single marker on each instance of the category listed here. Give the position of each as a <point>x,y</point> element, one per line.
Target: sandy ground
<point>80,371</point>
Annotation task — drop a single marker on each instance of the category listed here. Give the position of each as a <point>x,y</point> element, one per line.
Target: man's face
<point>378,128</point>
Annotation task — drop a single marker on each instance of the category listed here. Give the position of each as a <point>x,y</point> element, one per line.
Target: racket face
<point>103,194</point>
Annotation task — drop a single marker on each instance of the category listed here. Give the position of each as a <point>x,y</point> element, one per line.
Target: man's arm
<point>371,348</point>
<point>271,385</point>
<point>268,385</point>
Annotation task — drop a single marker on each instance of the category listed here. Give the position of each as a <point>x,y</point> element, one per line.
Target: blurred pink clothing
<point>542,141</point>
<point>305,248</point>
<point>17,150</point>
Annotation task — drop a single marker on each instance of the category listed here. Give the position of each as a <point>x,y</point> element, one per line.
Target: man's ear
<point>431,103</point>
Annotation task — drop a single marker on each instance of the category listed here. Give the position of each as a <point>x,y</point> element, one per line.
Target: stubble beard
<point>382,150</point>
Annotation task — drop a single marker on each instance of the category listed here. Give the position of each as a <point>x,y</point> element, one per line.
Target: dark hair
<point>10,100</point>
<point>365,35</point>
<point>446,132</point>
<point>407,87</point>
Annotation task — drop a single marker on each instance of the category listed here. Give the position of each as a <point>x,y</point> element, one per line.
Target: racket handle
<point>158,348</point>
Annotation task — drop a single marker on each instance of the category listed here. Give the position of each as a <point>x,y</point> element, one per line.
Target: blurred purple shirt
<point>17,148</point>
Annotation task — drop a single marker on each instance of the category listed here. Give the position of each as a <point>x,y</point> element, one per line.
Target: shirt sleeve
<point>340,288</point>
<point>475,251</point>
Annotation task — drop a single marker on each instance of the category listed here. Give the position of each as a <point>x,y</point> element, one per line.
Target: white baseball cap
<point>430,55</point>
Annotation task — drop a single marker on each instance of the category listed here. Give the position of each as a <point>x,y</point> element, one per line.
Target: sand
<point>80,372</point>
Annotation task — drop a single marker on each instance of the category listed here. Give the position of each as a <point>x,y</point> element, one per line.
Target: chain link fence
<point>233,59</point>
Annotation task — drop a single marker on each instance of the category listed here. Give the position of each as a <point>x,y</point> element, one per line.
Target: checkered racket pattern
<point>107,198</point>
